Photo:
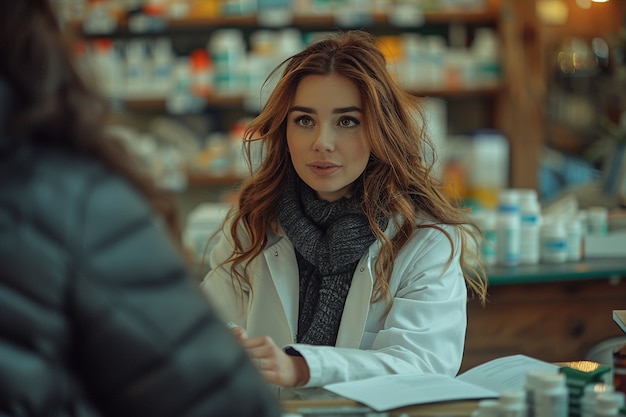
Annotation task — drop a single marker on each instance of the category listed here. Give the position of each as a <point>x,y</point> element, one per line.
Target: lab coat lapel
<point>357,306</point>
<point>283,269</point>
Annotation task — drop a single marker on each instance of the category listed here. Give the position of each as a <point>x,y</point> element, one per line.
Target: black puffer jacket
<point>97,314</point>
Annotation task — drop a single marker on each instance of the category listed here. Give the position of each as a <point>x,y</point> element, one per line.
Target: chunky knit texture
<point>329,238</point>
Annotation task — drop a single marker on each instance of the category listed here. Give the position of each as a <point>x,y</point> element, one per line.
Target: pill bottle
<point>574,239</point>
<point>508,228</point>
<point>512,403</point>
<point>598,220</point>
<point>486,221</point>
<point>583,216</point>
<point>553,242</point>
<point>589,397</point>
<point>531,385</point>
<point>608,404</point>
<point>552,396</point>
<point>530,239</point>
<point>487,408</point>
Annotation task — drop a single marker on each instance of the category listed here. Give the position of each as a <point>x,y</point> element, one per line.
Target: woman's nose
<point>324,142</point>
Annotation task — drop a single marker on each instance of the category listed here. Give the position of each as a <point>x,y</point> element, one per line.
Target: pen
<point>232,325</point>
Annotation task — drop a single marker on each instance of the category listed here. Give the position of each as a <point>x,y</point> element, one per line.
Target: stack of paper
<point>484,381</point>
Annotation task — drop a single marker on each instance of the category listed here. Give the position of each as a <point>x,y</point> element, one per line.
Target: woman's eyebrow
<point>335,111</point>
<point>302,109</point>
<point>346,109</point>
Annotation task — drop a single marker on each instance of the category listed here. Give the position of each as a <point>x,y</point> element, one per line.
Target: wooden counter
<point>552,312</point>
<point>452,408</point>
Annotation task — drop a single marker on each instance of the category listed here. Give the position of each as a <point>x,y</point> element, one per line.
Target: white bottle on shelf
<point>138,81</point>
<point>553,241</point>
<point>486,221</point>
<point>163,66</point>
<point>574,238</point>
<point>598,220</point>
<point>530,239</point>
<point>508,228</point>
<point>227,49</point>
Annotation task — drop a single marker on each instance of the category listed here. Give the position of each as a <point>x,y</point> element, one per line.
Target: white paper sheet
<point>508,372</point>
<point>388,392</point>
<point>393,391</point>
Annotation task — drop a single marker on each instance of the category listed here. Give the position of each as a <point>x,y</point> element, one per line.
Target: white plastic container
<point>598,220</point>
<point>531,385</point>
<point>574,239</point>
<point>530,236</point>
<point>163,66</point>
<point>589,397</point>
<point>508,228</point>
<point>486,222</point>
<point>552,397</point>
<point>608,404</point>
<point>138,71</point>
<point>553,242</point>
<point>227,49</point>
<point>487,408</point>
<point>488,167</point>
<point>512,403</point>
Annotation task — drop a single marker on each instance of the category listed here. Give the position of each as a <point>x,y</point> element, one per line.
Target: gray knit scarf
<point>330,238</point>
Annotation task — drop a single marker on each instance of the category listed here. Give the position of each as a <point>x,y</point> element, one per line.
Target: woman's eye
<point>304,121</point>
<point>348,122</point>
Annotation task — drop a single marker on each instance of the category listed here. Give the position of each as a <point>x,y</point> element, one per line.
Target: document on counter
<point>619,316</point>
<point>387,392</point>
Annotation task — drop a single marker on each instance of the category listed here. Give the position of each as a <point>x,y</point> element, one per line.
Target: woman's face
<point>325,135</point>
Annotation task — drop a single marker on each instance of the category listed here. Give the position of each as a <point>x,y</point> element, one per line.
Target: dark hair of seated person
<point>99,315</point>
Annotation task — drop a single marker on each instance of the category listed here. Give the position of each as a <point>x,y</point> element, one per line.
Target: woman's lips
<point>323,168</point>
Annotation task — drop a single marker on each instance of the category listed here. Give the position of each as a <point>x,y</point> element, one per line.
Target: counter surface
<point>548,272</point>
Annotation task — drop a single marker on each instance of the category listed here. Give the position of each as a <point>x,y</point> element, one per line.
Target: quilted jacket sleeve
<point>148,342</point>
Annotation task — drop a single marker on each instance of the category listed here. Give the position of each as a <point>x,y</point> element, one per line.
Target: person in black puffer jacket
<point>98,313</point>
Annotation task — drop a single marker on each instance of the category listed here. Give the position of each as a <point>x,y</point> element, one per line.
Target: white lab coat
<point>423,332</point>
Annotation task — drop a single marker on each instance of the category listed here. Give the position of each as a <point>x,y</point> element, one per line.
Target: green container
<point>578,374</point>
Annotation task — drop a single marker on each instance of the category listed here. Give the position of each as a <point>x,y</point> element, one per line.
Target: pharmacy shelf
<point>237,101</point>
<point>441,16</point>
<point>159,103</point>
<point>597,268</point>
<point>466,15</point>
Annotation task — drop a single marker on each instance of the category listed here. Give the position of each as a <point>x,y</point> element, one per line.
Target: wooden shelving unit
<point>490,15</point>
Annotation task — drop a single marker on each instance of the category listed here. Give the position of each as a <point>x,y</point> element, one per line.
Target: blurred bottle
<point>201,69</point>
<point>530,239</point>
<point>486,53</point>
<point>488,166</point>
<point>162,66</point>
<point>508,228</point>
<point>553,241</point>
<point>227,49</point>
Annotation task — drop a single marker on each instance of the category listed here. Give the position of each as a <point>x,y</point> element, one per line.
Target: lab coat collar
<point>280,257</point>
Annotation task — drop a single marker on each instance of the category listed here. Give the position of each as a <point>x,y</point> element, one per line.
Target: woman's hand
<point>275,365</point>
